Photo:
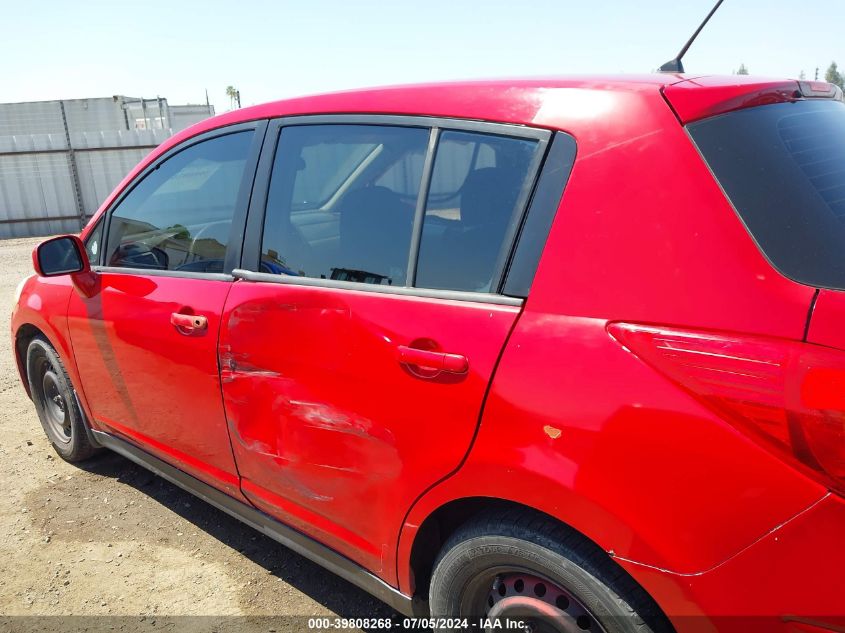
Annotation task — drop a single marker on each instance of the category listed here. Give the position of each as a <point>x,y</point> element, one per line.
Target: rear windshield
<point>783,168</point>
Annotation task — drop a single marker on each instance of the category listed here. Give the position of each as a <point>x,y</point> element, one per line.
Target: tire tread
<point>81,447</point>
<point>536,528</point>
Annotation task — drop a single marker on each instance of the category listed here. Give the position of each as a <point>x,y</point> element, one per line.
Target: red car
<point>568,353</point>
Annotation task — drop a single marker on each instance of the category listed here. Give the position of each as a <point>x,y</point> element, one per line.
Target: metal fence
<point>59,159</point>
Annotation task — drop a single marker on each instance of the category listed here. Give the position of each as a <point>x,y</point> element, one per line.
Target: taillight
<point>786,395</point>
<point>820,89</point>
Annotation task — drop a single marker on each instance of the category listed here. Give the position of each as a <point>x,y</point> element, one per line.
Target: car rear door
<point>354,374</point>
<point>144,330</point>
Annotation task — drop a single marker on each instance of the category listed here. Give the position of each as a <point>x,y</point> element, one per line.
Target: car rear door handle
<point>435,361</point>
<point>189,323</point>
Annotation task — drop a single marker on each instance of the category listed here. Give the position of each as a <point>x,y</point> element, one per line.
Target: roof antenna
<point>676,65</point>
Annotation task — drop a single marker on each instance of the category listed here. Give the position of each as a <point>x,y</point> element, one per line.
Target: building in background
<point>60,159</point>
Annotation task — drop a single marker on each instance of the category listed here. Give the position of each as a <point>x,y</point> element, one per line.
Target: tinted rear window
<point>783,168</point>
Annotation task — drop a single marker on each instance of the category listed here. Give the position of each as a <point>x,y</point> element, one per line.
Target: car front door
<point>358,344</point>
<point>144,332</point>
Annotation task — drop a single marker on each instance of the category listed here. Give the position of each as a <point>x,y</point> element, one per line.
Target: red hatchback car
<point>565,352</point>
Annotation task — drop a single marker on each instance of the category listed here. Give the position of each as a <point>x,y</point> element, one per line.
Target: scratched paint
<point>317,398</point>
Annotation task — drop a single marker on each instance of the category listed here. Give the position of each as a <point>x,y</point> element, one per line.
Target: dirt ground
<point>111,539</point>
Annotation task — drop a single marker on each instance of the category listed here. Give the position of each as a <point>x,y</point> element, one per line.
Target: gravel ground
<point>111,539</point>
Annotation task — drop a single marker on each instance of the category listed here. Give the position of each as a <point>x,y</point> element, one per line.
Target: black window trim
<point>511,233</point>
<point>251,250</point>
<point>422,202</point>
<point>539,218</point>
<point>236,236</point>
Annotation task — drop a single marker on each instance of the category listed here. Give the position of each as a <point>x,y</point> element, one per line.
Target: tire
<point>519,565</point>
<point>56,404</point>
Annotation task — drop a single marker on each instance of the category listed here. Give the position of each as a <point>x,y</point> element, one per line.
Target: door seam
<point>472,441</point>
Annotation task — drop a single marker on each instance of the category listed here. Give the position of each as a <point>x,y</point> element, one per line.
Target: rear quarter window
<point>783,168</point>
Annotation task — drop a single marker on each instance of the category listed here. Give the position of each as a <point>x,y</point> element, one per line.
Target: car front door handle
<point>189,323</point>
<point>433,361</point>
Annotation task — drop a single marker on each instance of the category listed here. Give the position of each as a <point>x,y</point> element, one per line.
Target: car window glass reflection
<point>341,202</point>
<point>180,215</point>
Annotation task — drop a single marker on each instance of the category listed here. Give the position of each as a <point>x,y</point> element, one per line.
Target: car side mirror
<point>61,255</point>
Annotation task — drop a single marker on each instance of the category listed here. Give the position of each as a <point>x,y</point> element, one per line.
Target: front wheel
<point>55,402</point>
<point>522,569</point>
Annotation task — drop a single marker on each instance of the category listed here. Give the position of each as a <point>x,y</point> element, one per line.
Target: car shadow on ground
<point>329,590</point>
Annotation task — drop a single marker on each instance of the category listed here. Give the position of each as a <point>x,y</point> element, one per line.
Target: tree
<point>833,76</point>
<point>802,76</point>
<point>742,70</point>
<point>232,93</point>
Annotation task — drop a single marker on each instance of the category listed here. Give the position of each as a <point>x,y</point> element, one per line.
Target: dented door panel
<point>332,432</point>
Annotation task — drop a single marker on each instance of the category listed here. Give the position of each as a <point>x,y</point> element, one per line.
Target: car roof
<point>501,100</point>
<point>517,101</point>
<point>479,90</point>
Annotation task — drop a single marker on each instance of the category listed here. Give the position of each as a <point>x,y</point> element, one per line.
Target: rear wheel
<point>522,568</point>
<point>55,402</point>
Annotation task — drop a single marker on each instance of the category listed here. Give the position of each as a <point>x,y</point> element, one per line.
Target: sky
<point>178,49</point>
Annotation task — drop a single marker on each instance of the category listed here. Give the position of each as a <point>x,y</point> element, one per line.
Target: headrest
<point>375,230</point>
<point>488,196</point>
